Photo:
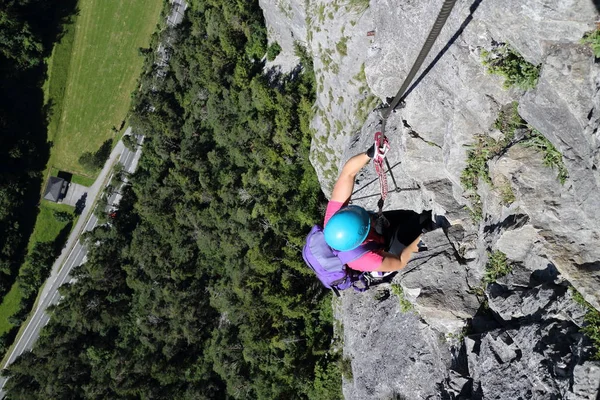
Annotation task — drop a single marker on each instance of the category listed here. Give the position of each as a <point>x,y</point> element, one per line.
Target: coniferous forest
<point>197,289</point>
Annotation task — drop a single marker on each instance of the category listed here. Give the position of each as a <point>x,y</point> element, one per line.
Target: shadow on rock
<point>550,274</point>
<point>513,221</point>
<point>438,57</point>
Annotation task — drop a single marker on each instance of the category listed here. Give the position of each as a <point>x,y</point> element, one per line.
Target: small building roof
<point>54,189</point>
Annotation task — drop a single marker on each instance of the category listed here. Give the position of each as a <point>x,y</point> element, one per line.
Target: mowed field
<point>93,72</point>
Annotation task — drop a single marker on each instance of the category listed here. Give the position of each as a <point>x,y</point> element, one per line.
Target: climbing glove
<point>371,151</point>
<point>382,150</point>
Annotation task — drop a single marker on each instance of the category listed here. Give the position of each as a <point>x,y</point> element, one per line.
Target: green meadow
<point>92,73</point>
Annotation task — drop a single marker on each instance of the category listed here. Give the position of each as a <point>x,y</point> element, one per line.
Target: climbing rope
<point>433,35</point>
<point>380,138</point>
<point>381,147</point>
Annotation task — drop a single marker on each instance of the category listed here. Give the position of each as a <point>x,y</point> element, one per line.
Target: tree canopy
<point>197,288</point>
<point>28,29</point>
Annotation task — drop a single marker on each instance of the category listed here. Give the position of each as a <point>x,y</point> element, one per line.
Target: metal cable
<point>433,34</point>
<point>385,112</point>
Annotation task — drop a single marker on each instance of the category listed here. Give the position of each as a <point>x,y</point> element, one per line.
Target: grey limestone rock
<point>286,22</point>
<point>526,344</point>
<point>535,349</point>
<point>559,227</point>
<point>392,352</point>
<point>532,361</point>
<point>529,26</point>
<point>436,282</point>
<point>585,382</point>
<point>564,107</point>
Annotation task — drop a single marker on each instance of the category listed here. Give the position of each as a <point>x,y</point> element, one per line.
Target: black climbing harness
<point>381,140</point>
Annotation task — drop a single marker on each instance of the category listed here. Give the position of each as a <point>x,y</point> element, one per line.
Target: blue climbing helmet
<point>347,228</point>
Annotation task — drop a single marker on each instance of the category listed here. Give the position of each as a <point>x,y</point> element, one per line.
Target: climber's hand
<point>414,246</point>
<point>382,150</point>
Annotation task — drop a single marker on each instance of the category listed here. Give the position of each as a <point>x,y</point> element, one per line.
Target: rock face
<point>392,353</point>
<point>286,23</point>
<point>535,350</point>
<point>521,332</point>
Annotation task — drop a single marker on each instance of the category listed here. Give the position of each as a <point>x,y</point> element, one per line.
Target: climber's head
<point>347,228</point>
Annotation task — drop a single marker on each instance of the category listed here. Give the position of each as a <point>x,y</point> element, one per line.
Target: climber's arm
<point>345,184</point>
<point>393,262</point>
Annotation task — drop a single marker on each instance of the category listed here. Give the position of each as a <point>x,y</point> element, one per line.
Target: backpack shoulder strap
<point>351,255</point>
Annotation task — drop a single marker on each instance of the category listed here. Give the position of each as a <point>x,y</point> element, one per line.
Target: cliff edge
<point>489,310</point>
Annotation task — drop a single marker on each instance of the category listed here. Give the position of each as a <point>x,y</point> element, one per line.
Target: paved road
<point>177,12</point>
<point>74,252</point>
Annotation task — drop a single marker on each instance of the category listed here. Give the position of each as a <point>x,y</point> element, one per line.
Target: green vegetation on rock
<point>273,51</point>
<point>591,327</point>
<point>342,46</point>
<point>358,6</point>
<point>321,12</point>
<point>507,195</point>
<point>552,157</point>
<point>346,367</point>
<point>503,60</point>
<point>508,122</point>
<point>405,305</point>
<point>477,158</point>
<point>496,267</point>
<point>593,39</point>
<point>485,148</point>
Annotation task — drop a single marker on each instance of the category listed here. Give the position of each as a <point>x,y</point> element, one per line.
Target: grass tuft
<point>503,60</point>
<point>321,13</point>
<point>361,77</point>
<point>507,194</point>
<point>342,46</point>
<point>552,157</point>
<point>405,305</point>
<point>358,6</point>
<point>593,39</point>
<point>508,121</point>
<point>591,327</point>
<point>345,364</point>
<point>477,157</point>
<point>496,267</point>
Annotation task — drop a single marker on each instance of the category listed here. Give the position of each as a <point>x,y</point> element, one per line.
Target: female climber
<point>348,226</point>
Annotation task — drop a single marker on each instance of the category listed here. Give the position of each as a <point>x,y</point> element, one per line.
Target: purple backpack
<point>330,265</point>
